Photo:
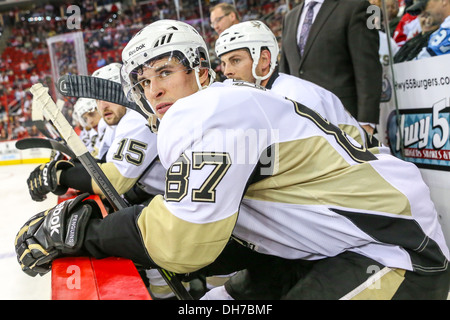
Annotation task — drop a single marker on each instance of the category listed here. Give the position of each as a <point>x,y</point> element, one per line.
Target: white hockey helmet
<point>160,39</point>
<point>109,72</point>
<point>82,106</point>
<point>252,35</point>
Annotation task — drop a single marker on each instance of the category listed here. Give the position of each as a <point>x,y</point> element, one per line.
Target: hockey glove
<point>56,232</point>
<point>43,179</point>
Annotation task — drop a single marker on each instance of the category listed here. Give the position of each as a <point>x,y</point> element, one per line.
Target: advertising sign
<point>419,131</point>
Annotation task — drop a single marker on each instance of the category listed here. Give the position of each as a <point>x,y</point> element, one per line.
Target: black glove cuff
<point>59,165</point>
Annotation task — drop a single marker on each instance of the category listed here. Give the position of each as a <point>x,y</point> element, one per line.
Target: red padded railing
<point>87,278</point>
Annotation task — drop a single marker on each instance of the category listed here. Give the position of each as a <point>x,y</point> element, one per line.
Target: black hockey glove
<point>43,180</point>
<point>56,232</point>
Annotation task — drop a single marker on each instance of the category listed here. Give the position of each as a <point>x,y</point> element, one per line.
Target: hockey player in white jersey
<point>331,215</point>
<point>93,126</point>
<point>127,154</point>
<point>123,126</point>
<point>249,51</point>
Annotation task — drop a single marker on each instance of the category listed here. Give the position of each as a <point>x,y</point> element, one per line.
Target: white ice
<point>16,208</point>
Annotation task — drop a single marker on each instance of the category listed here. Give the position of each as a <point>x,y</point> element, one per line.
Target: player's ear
<point>204,76</point>
<point>264,59</point>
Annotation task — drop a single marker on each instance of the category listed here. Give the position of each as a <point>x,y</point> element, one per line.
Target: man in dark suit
<point>340,54</point>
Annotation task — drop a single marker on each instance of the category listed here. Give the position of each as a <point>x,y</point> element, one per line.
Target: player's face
<point>111,112</point>
<point>164,82</point>
<point>237,65</point>
<point>92,118</point>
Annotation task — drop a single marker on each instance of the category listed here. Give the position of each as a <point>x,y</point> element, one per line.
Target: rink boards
<point>10,155</point>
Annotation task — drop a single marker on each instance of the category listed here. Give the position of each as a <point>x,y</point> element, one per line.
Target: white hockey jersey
<point>131,155</point>
<point>317,98</point>
<point>276,175</point>
<point>320,100</point>
<point>85,137</point>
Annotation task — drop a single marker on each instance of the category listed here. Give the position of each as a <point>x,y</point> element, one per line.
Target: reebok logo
<point>140,47</point>
<point>54,221</point>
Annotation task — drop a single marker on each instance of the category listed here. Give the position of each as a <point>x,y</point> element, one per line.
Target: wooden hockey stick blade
<point>29,143</point>
<point>96,88</point>
<point>51,112</point>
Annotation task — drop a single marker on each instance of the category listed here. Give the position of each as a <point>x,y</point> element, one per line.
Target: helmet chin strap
<point>259,78</point>
<point>197,78</point>
<point>152,119</point>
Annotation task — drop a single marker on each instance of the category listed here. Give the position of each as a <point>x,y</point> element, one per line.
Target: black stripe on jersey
<point>358,154</point>
<point>426,256</point>
<point>264,167</point>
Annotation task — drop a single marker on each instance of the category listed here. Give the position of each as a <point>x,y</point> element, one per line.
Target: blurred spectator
<point>27,104</point>
<point>19,131</point>
<point>34,131</point>
<point>34,78</point>
<point>409,25</point>
<point>4,77</point>
<point>439,42</point>
<point>412,47</point>
<point>3,134</point>
<point>223,16</point>
<point>392,12</point>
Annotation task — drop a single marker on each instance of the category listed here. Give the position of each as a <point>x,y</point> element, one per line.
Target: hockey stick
<point>52,113</point>
<point>43,126</point>
<point>106,90</point>
<point>99,89</point>
<point>29,143</point>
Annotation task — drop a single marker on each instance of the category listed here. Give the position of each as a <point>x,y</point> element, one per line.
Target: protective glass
<point>158,69</point>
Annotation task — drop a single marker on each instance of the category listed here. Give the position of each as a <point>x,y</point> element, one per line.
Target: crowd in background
<point>107,27</point>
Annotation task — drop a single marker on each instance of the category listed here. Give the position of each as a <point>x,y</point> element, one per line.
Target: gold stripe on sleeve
<point>178,245</point>
<point>120,183</point>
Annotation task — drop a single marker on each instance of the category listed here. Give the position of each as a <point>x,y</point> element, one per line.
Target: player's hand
<point>56,232</point>
<point>43,179</point>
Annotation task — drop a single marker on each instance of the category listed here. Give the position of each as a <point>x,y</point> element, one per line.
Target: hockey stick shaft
<point>51,111</point>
